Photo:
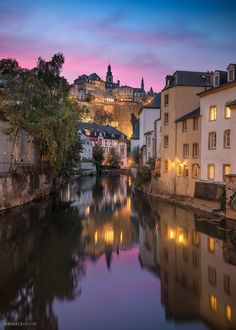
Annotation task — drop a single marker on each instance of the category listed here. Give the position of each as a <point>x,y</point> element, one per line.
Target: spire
<point>109,76</point>
<point>142,84</point>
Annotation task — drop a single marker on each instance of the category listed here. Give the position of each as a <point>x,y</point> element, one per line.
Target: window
<point>211,244</point>
<point>195,124</point>
<point>227,283</point>
<point>166,118</point>
<point>227,139</point>
<point>179,170</point>
<point>211,172</point>
<point>185,254</point>
<point>212,113</point>
<point>166,99</point>
<point>166,141</point>
<point>227,113</point>
<point>213,303</point>
<point>212,140</point>
<point>186,150</point>
<point>122,150</point>
<point>195,150</point>
<point>184,125</point>
<point>228,313</point>
<point>148,141</point>
<point>212,276</point>
<point>195,171</point>
<point>186,170</point>
<point>226,169</point>
<point>166,165</point>
<point>231,75</point>
<point>195,258</point>
<point>216,80</point>
<point>195,238</point>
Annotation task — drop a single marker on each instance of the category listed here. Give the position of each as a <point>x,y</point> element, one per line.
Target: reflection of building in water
<point>218,300</point>
<point>197,270</point>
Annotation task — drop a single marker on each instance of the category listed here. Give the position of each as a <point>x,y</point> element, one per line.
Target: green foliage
<point>98,154</point>
<point>135,154</point>
<point>104,118</point>
<point>143,176</point>
<point>223,200</point>
<point>113,158</point>
<point>38,102</point>
<point>151,163</point>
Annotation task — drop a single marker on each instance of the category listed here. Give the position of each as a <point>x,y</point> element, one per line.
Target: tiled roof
<point>188,78</point>
<point>192,114</point>
<point>94,129</point>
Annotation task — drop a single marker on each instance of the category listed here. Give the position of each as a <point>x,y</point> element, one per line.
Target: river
<point>99,256</point>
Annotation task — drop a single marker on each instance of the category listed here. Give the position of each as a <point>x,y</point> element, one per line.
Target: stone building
<point>108,137</point>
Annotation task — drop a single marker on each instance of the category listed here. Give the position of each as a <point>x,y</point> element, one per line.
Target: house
<point>218,152</point>
<point>178,98</point>
<point>149,132</point>
<point>86,156</point>
<point>90,86</point>
<point>188,145</point>
<point>106,136</point>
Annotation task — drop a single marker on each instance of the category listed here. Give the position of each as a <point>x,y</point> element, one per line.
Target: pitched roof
<point>188,78</point>
<point>192,114</point>
<point>231,103</point>
<point>96,129</point>
<point>94,76</point>
<point>155,103</point>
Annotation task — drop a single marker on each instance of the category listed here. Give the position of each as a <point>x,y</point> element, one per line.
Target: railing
<point>5,167</point>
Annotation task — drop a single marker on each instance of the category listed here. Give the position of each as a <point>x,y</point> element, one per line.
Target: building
<point>178,98</point>
<point>188,151</point>
<point>93,88</point>
<point>218,136</point>
<point>106,136</point>
<point>149,131</point>
<point>86,156</point>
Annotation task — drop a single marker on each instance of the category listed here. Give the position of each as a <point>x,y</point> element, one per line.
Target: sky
<point>138,38</point>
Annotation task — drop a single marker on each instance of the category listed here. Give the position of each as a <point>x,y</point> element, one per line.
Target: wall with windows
<point>188,153</point>
<point>216,134</point>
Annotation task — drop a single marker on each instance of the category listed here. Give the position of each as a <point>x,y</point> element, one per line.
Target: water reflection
<point>51,251</point>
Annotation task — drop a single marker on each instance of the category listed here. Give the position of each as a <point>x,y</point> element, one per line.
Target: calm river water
<point>98,256</point>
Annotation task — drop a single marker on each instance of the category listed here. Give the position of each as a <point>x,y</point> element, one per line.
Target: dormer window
<point>216,80</point>
<point>230,74</point>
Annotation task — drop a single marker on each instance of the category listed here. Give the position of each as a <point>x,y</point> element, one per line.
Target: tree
<point>113,158</point>
<point>38,102</point>
<point>98,154</point>
<point>135,154</point>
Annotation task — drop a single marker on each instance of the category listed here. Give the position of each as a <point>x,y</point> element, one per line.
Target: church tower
<point>142,84</point>
<point>109,76</point>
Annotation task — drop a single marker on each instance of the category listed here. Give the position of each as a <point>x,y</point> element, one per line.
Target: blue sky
<point>139,38</point>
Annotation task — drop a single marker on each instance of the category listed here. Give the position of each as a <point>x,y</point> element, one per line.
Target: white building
<point>217,150</point>
<point>149,134</point>
<point>86,156</point>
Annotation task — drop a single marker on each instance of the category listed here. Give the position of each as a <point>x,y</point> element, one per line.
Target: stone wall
<point>23,188</point>
<point>231,196</point>
<point>121,111</point>
<point>211,191</point>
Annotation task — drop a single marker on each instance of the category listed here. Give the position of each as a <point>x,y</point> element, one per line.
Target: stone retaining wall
<point>211,191</point>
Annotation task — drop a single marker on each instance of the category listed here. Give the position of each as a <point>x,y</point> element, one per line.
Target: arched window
<point>227,139</point>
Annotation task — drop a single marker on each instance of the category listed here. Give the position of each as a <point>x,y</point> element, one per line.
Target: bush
<point>135,154</point>
<point>144,176</point>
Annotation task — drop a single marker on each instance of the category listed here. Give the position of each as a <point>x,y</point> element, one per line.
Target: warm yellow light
<point>181,238</point>
<point>213,303</point>
<point>171,234</point>
<point>121,237</point>
<point>87,210</point>
<point>109,236</point>
<point>115,198</point>
<point>228,313</point>
<point>211,244</point>
<point>96,237</point>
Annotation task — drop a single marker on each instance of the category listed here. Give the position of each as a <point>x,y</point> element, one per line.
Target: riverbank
<point>204,206</point>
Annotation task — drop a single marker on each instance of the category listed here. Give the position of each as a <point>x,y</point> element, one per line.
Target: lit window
<point>195,150</point>
<point>186,171</point>
<point>227,139</point>
<point>186,150</point>
<point>227,113</point>
<point>195,238</point>
<point>212,113</point>
<point>211,244</point>
<point>213,303</point>
<point>166,165</point>
<point>195,124</point>
<point>212,140</point>
<point>166,141</point>
<point>166,118</point>
<point>228,313</point>
<point>226,169</point>
<point>179,169</point>
<point>184,125</point>
<point>211,172</point>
